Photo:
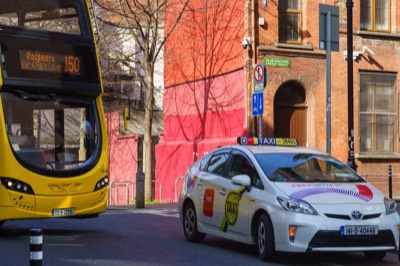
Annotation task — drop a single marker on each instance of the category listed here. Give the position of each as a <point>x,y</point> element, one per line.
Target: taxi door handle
<point>222,192</point>
<point>200,183</point>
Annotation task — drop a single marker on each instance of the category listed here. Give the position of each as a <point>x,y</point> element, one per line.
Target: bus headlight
<point>101,183</point>
<point>16,185</point>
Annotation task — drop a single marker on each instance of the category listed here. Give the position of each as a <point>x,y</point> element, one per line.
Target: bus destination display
<point>50,62</point>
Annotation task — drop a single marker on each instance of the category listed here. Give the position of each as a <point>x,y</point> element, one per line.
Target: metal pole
<point>328,83</point>
<point>350,160</point>
<point>390,180</point>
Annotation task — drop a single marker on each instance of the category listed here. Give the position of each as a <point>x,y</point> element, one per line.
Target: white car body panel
<point>226,210</point>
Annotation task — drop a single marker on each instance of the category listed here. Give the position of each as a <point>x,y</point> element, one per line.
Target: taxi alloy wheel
<point>265,239</point>
<point>190,224</point>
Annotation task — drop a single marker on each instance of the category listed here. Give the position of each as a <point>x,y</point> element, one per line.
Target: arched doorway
<point>290,112</point>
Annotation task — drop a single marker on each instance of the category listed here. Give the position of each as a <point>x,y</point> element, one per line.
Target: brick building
<point>207,68</point>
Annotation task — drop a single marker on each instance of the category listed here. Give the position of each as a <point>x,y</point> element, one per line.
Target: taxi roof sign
<point>267,141</point>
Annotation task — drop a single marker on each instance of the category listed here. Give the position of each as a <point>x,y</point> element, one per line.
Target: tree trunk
<point>147,142</point>
<point>147,162</point>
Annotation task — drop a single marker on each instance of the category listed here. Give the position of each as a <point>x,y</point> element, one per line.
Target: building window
<point>375,15</point>
<point>289,21</point>
<point>378,113</point>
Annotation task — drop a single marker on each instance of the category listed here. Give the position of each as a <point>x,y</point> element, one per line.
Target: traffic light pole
<point>350,160</point>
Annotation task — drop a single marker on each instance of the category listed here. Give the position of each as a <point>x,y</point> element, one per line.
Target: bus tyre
<point>190,224</point>
<point>265,239</point>
<point>375,255</point>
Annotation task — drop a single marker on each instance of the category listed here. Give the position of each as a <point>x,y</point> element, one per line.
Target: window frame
<point>255,173</point>
<point>284,12</point>
<point>226,152</point>
<point>374,113</point>
<point>373,12</point>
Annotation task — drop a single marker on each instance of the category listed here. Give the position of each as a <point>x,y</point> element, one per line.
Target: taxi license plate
<point>63,212</point>
<point>356,230</point>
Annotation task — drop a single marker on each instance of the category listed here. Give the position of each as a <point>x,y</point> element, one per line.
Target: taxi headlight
<point>390,206</point>
<point>296,205</point>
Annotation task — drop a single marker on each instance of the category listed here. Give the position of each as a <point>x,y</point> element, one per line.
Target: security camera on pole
<point>246,42</point>
<point>260,81</point>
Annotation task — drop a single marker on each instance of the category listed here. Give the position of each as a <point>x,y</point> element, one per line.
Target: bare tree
<point>213,31</point>
<point>140,22</point>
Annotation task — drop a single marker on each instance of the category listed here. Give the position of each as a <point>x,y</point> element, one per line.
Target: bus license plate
<point>63,212</point>
<point>355,230</point>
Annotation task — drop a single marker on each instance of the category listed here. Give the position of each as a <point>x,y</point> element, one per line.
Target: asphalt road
<point>150,236</point>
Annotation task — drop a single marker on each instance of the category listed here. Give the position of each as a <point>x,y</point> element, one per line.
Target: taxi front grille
<point>347,217</point>
<point>333,239</point>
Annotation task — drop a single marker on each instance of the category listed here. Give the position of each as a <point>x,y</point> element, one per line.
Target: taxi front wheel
<point>190,224</point>
<point>265,239</point>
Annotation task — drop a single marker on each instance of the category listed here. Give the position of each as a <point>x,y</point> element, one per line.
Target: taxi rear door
<point>208,189</point>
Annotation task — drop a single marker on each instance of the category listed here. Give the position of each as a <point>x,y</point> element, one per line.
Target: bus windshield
<point>50,133</point>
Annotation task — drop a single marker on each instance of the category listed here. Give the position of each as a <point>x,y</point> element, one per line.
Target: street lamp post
<point>350,160</point>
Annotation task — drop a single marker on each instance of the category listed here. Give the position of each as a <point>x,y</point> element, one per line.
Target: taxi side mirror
<point>241,180</point>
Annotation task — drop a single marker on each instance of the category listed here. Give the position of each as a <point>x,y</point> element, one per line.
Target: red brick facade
<point>308,68</point>
<point>295,94</point>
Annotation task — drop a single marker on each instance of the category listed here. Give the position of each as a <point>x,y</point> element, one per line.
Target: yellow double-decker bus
<point>53,145</point>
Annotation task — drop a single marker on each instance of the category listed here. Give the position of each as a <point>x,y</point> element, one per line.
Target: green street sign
<point>277,62</point>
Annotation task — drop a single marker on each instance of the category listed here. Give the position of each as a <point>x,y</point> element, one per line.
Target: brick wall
<point>308,68</point>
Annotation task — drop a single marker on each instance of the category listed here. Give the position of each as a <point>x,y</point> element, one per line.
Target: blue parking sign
<point>258,103</point>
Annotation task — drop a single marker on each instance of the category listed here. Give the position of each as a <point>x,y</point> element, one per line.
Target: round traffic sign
<point>259,73</point>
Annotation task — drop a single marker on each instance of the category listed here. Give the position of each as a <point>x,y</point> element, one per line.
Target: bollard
<point>390,180</point>
<point>140,190</point>
<point>36,240</point>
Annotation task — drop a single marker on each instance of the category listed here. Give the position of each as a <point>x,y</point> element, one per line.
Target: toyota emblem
<point>356,215</point>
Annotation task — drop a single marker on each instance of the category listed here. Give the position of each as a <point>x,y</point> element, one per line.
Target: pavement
<point>163,209</point>
<point>158,206</point>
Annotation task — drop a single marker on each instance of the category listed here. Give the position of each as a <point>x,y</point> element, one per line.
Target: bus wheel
<point>190,224</point>
<point>375,255</point>
<point>265,239</point>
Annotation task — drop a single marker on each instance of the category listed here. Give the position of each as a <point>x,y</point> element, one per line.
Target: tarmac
<point>157,206</point>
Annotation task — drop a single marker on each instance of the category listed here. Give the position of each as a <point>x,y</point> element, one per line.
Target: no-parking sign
<point>259,77</point>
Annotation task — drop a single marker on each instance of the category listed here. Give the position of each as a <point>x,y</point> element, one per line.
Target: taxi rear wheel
<point>265,239</point>
<point>375,255</point>
<point>190,224</point>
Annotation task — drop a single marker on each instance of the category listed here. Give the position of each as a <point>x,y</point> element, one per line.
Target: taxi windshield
<point>305,167</point>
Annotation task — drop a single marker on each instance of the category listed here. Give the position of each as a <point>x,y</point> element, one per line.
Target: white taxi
<point>290,199</point>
